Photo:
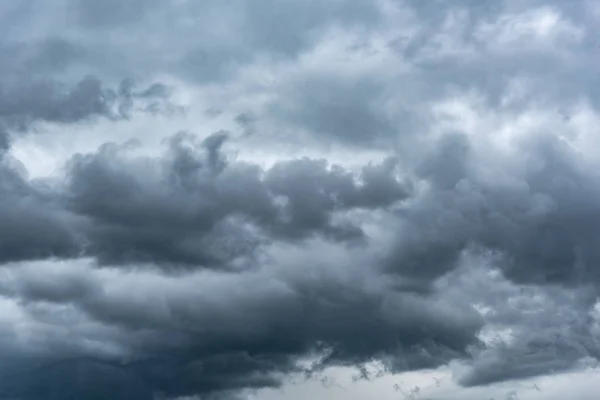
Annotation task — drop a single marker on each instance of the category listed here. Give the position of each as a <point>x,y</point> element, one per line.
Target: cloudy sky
<point>299,199</point>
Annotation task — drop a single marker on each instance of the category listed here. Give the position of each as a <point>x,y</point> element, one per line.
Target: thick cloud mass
<point>192,207</point>
<point>199,199</point>
<point>34,224</point>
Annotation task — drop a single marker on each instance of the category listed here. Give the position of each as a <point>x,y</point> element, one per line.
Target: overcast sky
<point>299,199</point>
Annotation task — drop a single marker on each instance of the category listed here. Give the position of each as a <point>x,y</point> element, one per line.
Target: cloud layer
<point>241,192</point>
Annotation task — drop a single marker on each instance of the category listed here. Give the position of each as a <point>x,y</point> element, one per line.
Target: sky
<point>299,199</point>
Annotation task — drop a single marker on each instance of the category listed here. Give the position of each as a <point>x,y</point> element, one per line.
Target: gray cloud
<point>532,330</point>
<point>234,331</point>
<point>542,223</point>
<point>138,274</point>
<point>194,43</point>
<point>347,111</point>
<point>27,103</point>
<point>34,225</point>
<point>193,208</point>
<point>52,55</point>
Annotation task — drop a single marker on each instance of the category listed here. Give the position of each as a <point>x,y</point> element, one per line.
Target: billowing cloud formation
<point>352,181</point>
<point>191,207</point>
<point>211,332</point>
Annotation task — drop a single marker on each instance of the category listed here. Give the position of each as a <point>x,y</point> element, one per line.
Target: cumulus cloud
<point>193,207</point>
<point>401,182</point>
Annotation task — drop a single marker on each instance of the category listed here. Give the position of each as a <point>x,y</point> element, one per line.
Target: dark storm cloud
<point>212,333</point>
<point>303,256</point>
<point>88,378</point>
<point>34,225</point>
<point>94,380</point>
<point>539,225</point>
<point>192,207</point>
<point>543,222</point>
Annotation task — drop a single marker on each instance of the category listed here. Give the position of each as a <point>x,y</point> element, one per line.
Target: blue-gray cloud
<point>191,272</point>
